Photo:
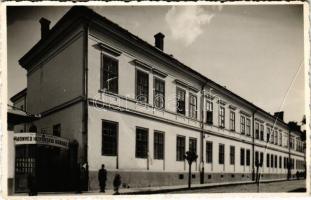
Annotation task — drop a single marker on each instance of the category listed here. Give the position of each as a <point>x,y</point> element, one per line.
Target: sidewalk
<point>158,189</point>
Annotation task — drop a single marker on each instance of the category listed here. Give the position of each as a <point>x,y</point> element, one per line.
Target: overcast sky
<point>255,51</point>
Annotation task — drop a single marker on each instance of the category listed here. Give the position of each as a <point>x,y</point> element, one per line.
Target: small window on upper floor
<point>232,120</point>
<point>142,86</point>
<point>192,106</point>
<point>57,130</point>
<point>181,101</point>
<point>159,93</point>
<point>221,117</point>
<point>209,112</point>
<point>109,74</point>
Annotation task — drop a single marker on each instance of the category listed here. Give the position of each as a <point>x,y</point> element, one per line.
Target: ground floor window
<point>221,156</point>
<point>141,143</point>
<point>242,157</point>
<point>180,148</point>
<point>209,152</point>
<point>268,160</point>
<point>158,145</point>
<point>193,145</point>
<point>248,157</point>
<point>232,155</point>
<point>109,138</point>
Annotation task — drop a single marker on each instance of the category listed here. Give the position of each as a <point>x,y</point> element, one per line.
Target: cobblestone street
<point>284,186</point>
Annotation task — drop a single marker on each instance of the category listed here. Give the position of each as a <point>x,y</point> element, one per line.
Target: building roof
<point>19,95</point>
<point>83,14</point>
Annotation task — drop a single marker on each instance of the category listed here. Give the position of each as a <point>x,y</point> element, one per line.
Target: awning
<point>18,117</point>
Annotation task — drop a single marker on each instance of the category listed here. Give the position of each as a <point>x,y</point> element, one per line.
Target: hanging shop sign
<point>43,139</point>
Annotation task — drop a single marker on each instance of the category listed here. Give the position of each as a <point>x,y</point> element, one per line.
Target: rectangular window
<point>243,125</point>
<point>142,86</point>
<point>209,152</point>
<point>209,112</point>
<point>280,139</point>
<point>272,136</point>
<point>159,93</point>
<point>242,157</point>
<point>280,162</point>
<point>232,120</point>
<point>221,118</point>
<point>57,130</point>
<point>110,74</point>
<point>256,130</point>
<point>180,148</point>
<point>275,161</point>
<point>248,126</point>
<point>109,138</point>
<point>261,158</point>
<point>276,137</point>
<point>271,159</point>
<point>232,155</point>
<point>262,132</point>
<point>193,145</point>
<point>256,157</point>
<point>221,155</point>
<point>141,143</point>
<point>158,145</point>
<point>248,157</point>
<point>285,163</point>
<point>181,101</point>
<point>192,106</point>
<point>268,160</point>
<point>268,134</point>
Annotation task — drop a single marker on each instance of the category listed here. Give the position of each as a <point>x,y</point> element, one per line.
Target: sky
<point>254,50</point>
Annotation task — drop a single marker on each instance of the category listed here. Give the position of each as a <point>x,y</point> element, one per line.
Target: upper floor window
<point>221,118</point>
<point>272,136</point>
<point>192,106</point>
<point>262,132</point>
<point>280,139</point>
<point>109,138</point>
<point>256,130</point>
<point>248,126</point>
<point>110,74</point>
<point>180,148</point>
<point>243,125</point>
<point>181,101</point>
<point>209,112</point>
<point>57,130</point>
<point>159,93</point>
<point>142,86</point>
<point>141,143</point>
<point>268,134</point>
<point>276,137</point>
<point>158,145</point>
<point>232,120</point>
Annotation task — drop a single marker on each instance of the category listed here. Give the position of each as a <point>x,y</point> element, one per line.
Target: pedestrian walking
<point>116,183</point>
<point>102,177</point>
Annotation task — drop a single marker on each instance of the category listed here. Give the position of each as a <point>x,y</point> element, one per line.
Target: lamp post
<point>190,156</point>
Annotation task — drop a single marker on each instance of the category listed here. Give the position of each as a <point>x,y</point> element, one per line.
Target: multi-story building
<point>130,106</point>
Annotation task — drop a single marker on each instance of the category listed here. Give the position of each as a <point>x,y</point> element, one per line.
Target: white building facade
<point>138,110</point>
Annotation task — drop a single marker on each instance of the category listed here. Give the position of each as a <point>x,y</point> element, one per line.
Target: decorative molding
<point>245,113</point>
<point>232,107</point>
<point>186,85</point>
<point>108,49</point>
<point>221,102</point>
<point>159,73</point>
<point>259,120</point>
<point>143,65</point>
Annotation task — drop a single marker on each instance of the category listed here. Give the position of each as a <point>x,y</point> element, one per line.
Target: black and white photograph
<point>129,99</point>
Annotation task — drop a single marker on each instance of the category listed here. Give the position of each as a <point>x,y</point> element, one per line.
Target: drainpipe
<point>202,135</point>
<point>253,146</point>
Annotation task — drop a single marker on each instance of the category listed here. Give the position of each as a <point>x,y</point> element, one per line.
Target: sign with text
<point>44,139</point>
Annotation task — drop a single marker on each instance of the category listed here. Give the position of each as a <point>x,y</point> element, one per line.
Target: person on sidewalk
<point>102,177</point>
<point>116,183</point>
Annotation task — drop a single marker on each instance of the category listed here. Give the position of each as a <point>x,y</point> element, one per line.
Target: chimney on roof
<point>45,27</point>
<point>279,115</point>
<point>159,40</point>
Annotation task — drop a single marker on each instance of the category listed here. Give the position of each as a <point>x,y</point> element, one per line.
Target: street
<point>284,186</point>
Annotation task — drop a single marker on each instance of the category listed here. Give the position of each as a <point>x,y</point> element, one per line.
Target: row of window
<point>109,148</point>
<point>110,83</point>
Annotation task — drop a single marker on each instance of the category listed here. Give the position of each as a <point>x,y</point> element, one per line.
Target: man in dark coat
<point>102,177</point>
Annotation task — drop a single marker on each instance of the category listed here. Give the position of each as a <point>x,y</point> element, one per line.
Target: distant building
<point>130,106</point>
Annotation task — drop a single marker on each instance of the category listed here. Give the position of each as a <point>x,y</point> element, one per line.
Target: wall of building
<point>57,77</point>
